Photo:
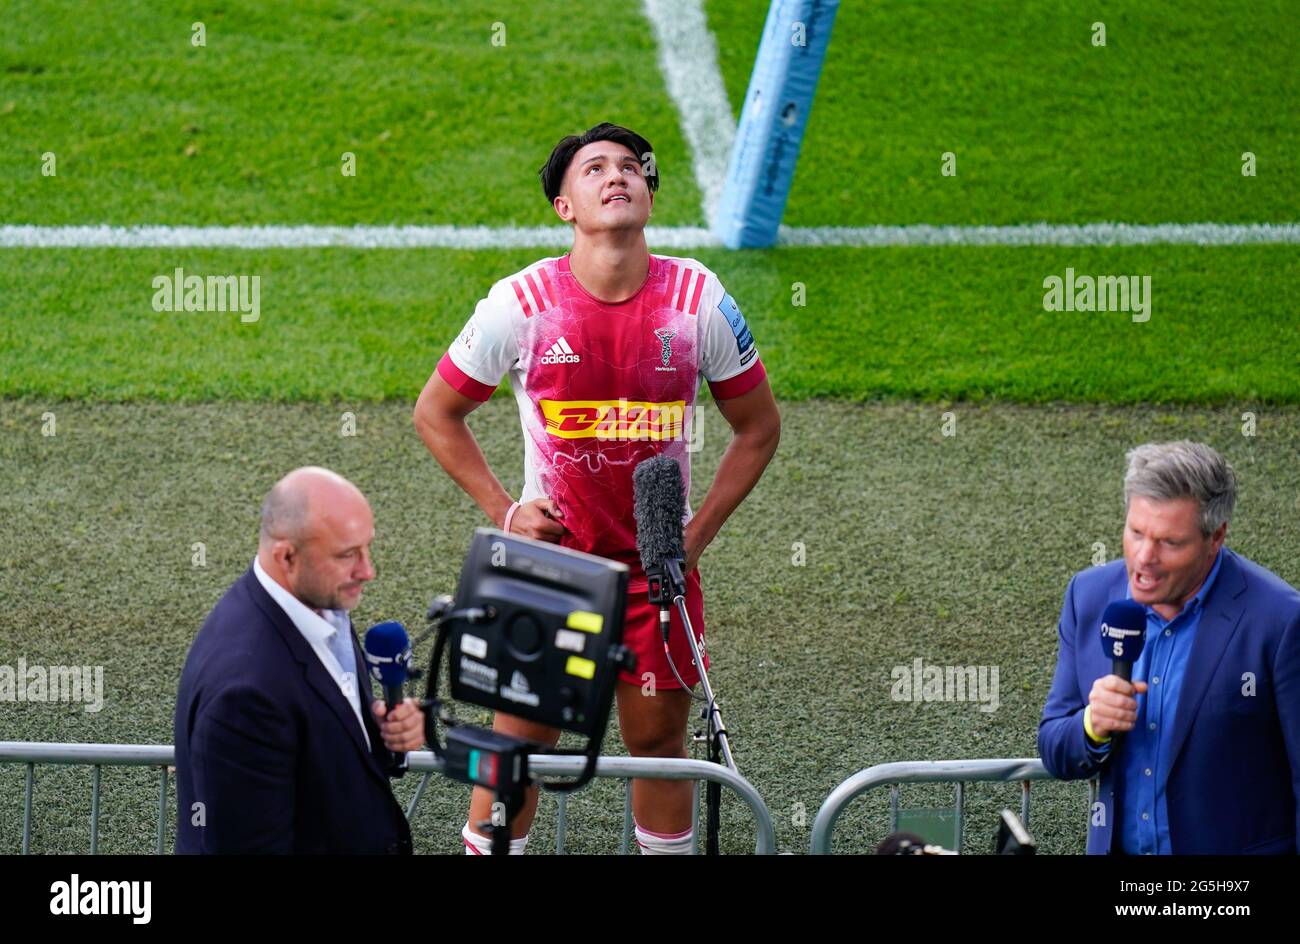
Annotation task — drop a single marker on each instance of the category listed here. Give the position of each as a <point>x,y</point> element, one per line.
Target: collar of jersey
<point>651,271</point>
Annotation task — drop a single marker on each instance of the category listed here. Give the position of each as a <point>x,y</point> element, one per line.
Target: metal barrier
<point>958,772</point>
<point>98,756</point>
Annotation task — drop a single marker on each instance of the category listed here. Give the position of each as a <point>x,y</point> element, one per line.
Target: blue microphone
<point>388,655</point>
<point>1123,631</point>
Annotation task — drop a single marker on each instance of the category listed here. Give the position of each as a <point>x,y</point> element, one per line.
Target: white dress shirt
<point>319,632</point>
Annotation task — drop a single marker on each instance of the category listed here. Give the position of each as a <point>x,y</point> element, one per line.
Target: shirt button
<point>1152,726</point>
<point>1146,815</point>
<point>1147,771</point>
<point>1156,680</point>
<point>1169,632</point>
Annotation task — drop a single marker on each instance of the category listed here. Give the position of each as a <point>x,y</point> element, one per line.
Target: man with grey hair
<point>280,746</point>
<point>1210,755</point>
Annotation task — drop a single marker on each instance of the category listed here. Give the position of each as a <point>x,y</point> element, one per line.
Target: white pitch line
<point>659,237</point>
<point>1045,234</point>
<point>311,237</point>
<point>688,59</point>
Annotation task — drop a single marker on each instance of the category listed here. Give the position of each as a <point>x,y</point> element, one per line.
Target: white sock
<point>664,843</point>
<point>482,845</point>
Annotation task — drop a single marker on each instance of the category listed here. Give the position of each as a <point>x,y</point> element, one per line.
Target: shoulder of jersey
<point>529,291</point>
<point>691,285</point>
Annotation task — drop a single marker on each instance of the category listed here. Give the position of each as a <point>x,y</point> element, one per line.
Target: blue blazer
<point>1234,777</point>
<point>269,746</point>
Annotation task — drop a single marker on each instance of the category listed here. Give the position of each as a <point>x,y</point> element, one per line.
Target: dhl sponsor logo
<point>614,419</point>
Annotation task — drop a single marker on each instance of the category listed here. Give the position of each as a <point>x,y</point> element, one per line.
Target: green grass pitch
<point>953,549</point>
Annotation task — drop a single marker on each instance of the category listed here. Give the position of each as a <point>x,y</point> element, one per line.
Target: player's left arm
<point>729,361</point>
<point>755,432</point>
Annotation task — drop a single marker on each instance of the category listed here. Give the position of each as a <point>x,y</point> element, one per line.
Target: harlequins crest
<point>666,336</point>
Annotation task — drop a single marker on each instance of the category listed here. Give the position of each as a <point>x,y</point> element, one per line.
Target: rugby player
<point>606,348</point>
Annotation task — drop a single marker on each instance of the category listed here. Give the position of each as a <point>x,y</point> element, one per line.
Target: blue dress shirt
<point>1143,824</point>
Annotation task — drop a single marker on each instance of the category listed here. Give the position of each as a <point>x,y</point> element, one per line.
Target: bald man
<point>280,747</point>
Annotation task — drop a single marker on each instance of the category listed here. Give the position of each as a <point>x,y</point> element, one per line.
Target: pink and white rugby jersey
<point>602,386</point>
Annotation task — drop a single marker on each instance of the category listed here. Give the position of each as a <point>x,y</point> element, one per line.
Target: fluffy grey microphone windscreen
<point>659,505</point>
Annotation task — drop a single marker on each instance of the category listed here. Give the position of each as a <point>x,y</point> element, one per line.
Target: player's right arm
<point>440,420</point>
<point>463,380</point>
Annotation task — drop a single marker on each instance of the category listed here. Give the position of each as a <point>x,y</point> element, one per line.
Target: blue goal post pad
<point>772,121</point>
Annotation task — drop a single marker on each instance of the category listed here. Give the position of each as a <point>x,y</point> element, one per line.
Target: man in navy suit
<point>1210,755</point>
<point>279,747</point>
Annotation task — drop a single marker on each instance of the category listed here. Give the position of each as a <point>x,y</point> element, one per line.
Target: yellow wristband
<point>1087,727</point>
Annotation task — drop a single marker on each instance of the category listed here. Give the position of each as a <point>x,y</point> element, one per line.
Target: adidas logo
<point>560,353</point>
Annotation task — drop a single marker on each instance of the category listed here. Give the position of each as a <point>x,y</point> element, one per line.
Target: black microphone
<point>659,505</point>
<point>1123,632</point>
